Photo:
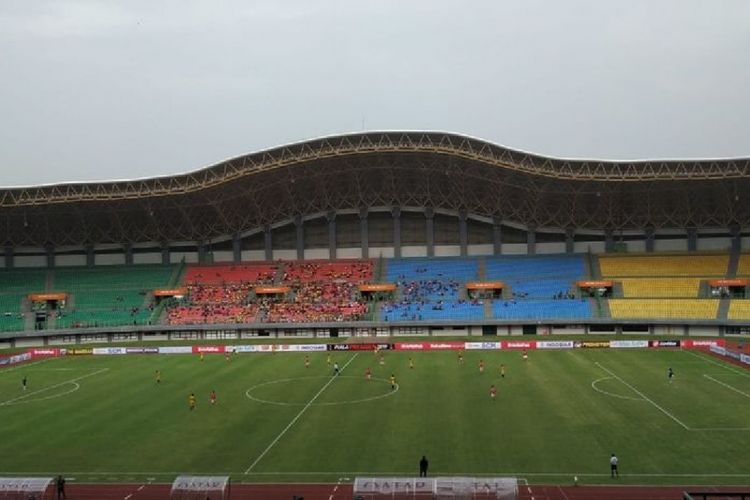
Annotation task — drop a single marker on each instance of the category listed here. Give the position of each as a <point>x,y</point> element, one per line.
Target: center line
<point>644,397</point>
<point>294,420</point>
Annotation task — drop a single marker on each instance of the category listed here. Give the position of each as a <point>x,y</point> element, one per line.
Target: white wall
<point>376,252</point>
<point>585,246</point>
<point>30,261</point>
<point>447,250</point>
<point>70,260</point>
<point>310,254</point>
<point>551,247</point>
<point>147,258</point>
<point>349,253</point>
<point>481,249</point>
<point>671,245</point>
<point>253,255</point>
<point>414,251</point>
<point>713,243</point>
<point>109,259</point>
<point>176,257</point>
<point>514,249</point>
<point>223,255</point>
<point>636,245</point>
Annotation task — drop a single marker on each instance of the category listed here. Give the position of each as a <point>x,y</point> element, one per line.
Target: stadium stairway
<point>601,306</point>
<point>734,263</point>
<point>723,311</point>
<point>49,282</point>
<point>481,269</point>
<point>591,263</point>
<point>487,309</point>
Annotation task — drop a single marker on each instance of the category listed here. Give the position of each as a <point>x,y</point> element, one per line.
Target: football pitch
<point>559,414</point>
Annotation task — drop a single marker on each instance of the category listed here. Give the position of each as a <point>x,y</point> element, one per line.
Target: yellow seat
<point>660,287</point>
<point>664,308</point>
<point>739,309</point>
<point>663,265</point>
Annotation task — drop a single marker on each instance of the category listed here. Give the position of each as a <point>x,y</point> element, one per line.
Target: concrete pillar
<point>463,233</point>
<point>236,248</point>
<point>364,233</point>
<point>128,250</point>
<point>331,216</point>
<point>570,242</point>
<point>736,235</point>
<point>609,240</point>
<point>531,241</point>
<point>268,242</point>
<point>429,220</point>
<point>49,250</point>
<point>692,239</point>
<point>165,257</point>
<point>90,258</point>
<point>396,213</point>
<point>497,236</point>
<point>650,239</point>
<point>299,226</point>
<point>202,253</point>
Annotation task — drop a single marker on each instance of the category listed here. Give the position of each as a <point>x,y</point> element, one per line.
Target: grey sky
<point>98,90</point>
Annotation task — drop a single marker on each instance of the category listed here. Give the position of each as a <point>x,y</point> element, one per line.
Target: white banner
<point>718,350</point>
<point>109,350</point>
<point>243,348</point>
<point>180,349</point>
<point>555,344</point>
<point>482,345</point>
<point>745,359</point>
<point>628,344</point>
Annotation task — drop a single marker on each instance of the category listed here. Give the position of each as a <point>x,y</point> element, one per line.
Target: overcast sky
<point>100,90</point>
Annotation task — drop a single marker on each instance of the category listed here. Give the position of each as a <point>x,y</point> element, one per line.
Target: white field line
<point>682,424</point>
<point>602,391</point>
<point>297,417</point>
<point>71,381</point>
<point>726,366</point>
<point>730,387</point>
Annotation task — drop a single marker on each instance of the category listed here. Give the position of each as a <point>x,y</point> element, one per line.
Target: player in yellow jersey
<point>393,382</point>
<point>502,370</point>
<point>411,363</point>
<point>191,401</point>
<point>158,377</point>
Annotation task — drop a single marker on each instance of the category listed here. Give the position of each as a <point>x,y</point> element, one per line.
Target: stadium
<point>435,263</point>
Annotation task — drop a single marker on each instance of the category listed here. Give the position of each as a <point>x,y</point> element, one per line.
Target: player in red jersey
<point>368,374</point>
<point>525,355</point>
<point>213,397</point>
<point>481,366</point>
<point>493,392</point>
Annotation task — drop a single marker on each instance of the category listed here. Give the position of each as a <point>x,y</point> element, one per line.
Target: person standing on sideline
<point>23,382</point>
<point>423,465</point>
<point>613,466</point>
<point>670,374</point>
<point>60,487</point>
<point>336,368</point>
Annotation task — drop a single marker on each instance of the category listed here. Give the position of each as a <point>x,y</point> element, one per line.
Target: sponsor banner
<point>313,347</point>
<point>401,346</point>
<point>429,346</point>
<point>178,349</point>
<point>44,352</point>
<point>208,349</point>
<point>718,350</point>
<point>79,351</point>
<point>593,344</point>
<point>628,344</point>
<point>15,359</point>
<point>519,345</point>
<point>664,343</point>
<point>109,350</point>
<point>732,354</point>
<point>482,345</point>
<point>555,344</point>
<point>244,348</point>
<point>745,359</point>
<point>141,350</point>
<point>702,343</point>
<point>348,347</point>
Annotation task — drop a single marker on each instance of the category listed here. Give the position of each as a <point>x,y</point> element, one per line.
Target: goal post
<point>25,488</point>
<point>438,488</point>
<point>200,488</point>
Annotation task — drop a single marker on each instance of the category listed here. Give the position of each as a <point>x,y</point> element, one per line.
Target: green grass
<point>547,423</point>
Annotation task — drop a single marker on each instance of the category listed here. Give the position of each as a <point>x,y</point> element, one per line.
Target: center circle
<point>249,392</point>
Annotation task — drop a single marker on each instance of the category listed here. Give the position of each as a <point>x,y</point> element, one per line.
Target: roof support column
<point>299,226</point>
<point>692,239</point>
<point>268,242</point>
<point>331,216</point>
<point>650,239</point>
<point>497,236</point>
<point>463,233</point>
<point>736,236</point>
<point>49,251</point>
<point>429,220</point>
<point>90,258</point>
<point>165,257</point>
<point>9,257</point>
<point>202,253</point>
<point>531,241</point>
<point>236,248</point>
<point>396,214</point>
<point>128,250</point>
<point>570,241</point>
<point>609,241</point>
<point>364,233</point>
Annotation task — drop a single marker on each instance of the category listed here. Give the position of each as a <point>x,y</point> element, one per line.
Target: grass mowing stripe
<point>709,377</point>
<point>646,398</point>
<point>301,412</point>
<point>71,381</point>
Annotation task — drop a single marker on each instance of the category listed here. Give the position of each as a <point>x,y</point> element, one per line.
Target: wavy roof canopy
<point>362,170</point>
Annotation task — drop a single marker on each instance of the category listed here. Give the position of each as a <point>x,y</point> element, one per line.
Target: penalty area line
<point>71,381</point>
<point>297,417</point>
<point>728,386</point>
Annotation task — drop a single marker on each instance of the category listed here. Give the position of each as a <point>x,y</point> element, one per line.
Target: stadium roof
<point>392,169</point>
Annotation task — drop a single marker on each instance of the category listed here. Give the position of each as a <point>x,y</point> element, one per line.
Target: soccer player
<point>368,373</point>
<point>613,466</point>
<point>460,357</point>
<point>158,377</point>
<point>201,356</point>
<point>411,363</point>
<point>393,382</point>
<point>226,357</point>
<point>335,368</point>
<point>307,361</point>
<point>23,382</point>
<point>213,397</point>
<point>525,355</point>
<point>191,401</point>
<point>382,360</point>
<point>481,366</point>
<point>670,374</point>
<point>493,392</point>
<point>328,360</point>
<point>502,370</point>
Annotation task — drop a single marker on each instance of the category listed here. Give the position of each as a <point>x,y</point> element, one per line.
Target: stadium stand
<point>743,266</point>
<point>660,287</point>
<point>739,309</point>
<point>663,265</point>
<point>541,309</point>
<point>108,296</point>
<point>537,276</point>
<point>664,308</point>
<point>15,285</point>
